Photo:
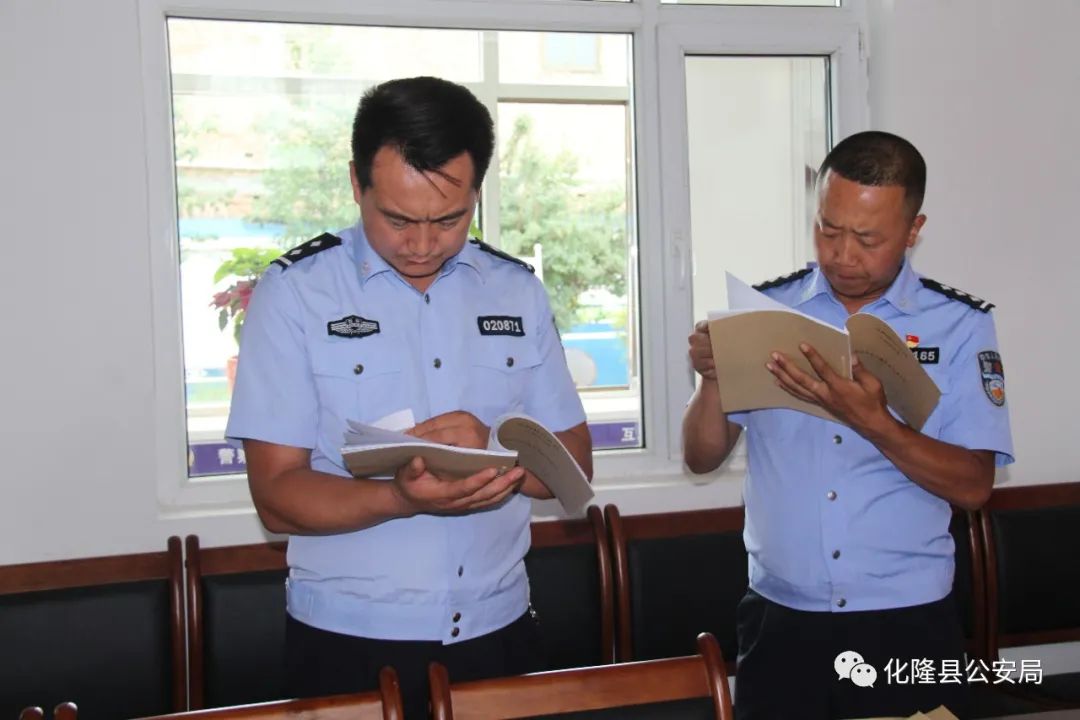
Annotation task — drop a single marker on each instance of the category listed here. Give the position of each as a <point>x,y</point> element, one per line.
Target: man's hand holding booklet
<point>744,337</point>
<point>372,451</point>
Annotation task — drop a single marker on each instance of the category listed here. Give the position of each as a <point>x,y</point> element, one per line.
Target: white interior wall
<point>985,87</point>
<point>989,90</point>
<point>77,367</point>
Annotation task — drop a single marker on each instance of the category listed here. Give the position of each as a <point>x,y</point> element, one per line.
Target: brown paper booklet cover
<point>744,337</point>
<point>370,451</point>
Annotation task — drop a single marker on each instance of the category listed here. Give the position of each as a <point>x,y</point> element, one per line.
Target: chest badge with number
<point>500,325</point>
<point>925,355</point>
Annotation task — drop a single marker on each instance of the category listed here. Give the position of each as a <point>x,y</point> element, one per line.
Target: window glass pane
<point>222,51</point>
<point>564,200</point>
<point>758,130</point>
<point>564,59</point>
<point>262,114</point>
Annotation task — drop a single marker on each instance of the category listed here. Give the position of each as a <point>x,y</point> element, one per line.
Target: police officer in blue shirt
<point>851,560</point>
<point>401,314</point>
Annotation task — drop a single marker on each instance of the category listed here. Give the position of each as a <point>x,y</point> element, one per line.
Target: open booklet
<point>515,440</point>
<point>744,337</point>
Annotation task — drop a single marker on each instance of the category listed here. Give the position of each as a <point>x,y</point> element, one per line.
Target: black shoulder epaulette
<point>311,247</point>
<point>954,294</point>
<point>783,279</point>
<point>500,254</point>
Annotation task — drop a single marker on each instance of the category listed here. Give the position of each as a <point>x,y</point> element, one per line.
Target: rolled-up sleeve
<point>275,398</point>
<point>976,413</point>
<point>550,395</point>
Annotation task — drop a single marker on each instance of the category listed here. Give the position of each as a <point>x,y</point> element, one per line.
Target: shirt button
<point>835,554</point>
<point>509,362</point>
<point>457,616</point>
<point>427,299</point>
<point>831,494</point>
<point>837,439</point>
<point>358,369</point>
<point>455,632</point>
<point>839,603</point>
<point>460,570</point>
<point>437,363</point>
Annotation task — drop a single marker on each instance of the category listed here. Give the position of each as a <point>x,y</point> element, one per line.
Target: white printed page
<point>361,435</point>
<point>741,296</point>
<point>373,451</point>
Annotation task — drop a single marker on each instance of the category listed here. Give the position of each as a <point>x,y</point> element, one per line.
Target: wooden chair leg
<point>390,689</point>
<point>66,711</point>
<point>439,682</point>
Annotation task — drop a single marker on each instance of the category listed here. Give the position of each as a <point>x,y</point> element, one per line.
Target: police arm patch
<point>993,376</point>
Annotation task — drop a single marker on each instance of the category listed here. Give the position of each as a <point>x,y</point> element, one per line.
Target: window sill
<point>669,487</point>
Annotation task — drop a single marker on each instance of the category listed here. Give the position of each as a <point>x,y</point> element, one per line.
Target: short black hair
<point>879,158</point>
<point>428,120</point>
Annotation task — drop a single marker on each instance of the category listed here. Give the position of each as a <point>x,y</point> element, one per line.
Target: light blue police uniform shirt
<point>481,339</point>
<point>831,523</point>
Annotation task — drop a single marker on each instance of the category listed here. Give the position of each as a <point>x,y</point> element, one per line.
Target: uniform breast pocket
<point>357,380</point>
<point>499,372</point>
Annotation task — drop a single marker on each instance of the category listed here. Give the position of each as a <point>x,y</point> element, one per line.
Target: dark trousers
<point>786,661</point>
<point>321,663</point>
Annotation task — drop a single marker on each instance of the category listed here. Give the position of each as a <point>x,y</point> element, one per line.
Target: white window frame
<point>661,35</point>
<point>821,32</point>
